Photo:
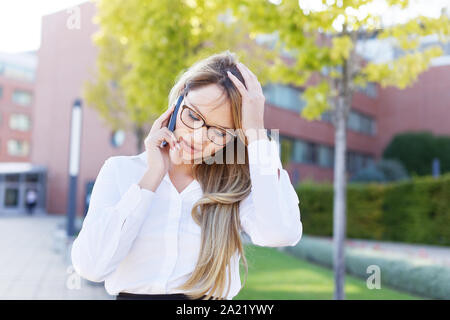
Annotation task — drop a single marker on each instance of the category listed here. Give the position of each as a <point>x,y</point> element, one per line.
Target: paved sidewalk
<point>436,254</point>
<point>33,267</point>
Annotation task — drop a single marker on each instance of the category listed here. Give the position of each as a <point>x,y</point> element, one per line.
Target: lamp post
<point>74,163</point>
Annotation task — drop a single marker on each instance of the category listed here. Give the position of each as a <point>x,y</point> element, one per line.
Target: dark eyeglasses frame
<point>184,106</point>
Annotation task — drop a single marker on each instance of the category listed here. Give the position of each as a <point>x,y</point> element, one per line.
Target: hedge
<point>413,276</point>
<point>413,211</point>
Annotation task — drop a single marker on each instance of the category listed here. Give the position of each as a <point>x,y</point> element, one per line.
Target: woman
<point>166,224</point>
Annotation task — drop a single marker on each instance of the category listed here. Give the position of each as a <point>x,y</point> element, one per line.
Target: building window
<point>327,116</point>
<point>369,90</point>
<point>356,121</point>
<point>356,161</point>
<point>312,153</point>
<point>368,161</point>
<point>19,122</point>
<point>22,97</point>
<point>18,148</point>
<point>325,156</point>
<point>353,121</point>
<point>1,92</point>
<point>299,153</point>
<point>117,138</point>
<point>361,123</point>
<point>16,72</point>
<point>12,178</point>
<point>11,197</point>
<point>305,152</point>
<point>284,96</point>
<point>32,177</point>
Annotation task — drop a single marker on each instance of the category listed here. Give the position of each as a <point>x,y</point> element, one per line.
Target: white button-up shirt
<point>145,242</point>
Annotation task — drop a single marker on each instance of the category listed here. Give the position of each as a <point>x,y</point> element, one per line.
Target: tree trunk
<point>339,205</point>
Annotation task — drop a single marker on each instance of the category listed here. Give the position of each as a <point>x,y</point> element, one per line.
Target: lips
<point>189,146</point>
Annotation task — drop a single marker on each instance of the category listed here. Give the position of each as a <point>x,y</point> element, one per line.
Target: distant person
<point>31,200</point>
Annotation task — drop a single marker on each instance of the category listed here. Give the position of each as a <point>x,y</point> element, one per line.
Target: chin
<point>197,157</point>
<point>188,158</point>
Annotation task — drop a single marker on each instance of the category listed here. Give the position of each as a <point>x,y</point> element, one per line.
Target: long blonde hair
<point>223,184</point>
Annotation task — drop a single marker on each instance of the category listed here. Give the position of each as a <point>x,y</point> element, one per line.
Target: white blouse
<point>145,242</point>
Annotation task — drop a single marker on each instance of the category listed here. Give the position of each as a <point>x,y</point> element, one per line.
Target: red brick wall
<point>66,60</point>
<point>423,106</point>
<point>8,107</point>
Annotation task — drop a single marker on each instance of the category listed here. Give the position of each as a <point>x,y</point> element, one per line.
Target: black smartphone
<point>173,118</point>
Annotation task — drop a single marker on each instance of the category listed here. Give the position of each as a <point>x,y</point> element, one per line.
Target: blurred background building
<point>17,173</point>
<point>67,58</point>
<point>17,79</point>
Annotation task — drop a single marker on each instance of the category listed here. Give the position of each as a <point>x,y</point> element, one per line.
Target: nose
<point>199,137</point>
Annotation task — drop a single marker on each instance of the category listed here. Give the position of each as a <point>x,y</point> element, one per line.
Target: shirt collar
<point>143,157</point>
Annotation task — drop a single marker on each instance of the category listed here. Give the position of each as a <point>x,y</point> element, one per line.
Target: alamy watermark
<point>374,280</point>
<point>264,155</point>
<point>73,281</point>
<point>74,20</point>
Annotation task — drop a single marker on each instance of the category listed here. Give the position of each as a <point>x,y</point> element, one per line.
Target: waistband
<point>139,296</point>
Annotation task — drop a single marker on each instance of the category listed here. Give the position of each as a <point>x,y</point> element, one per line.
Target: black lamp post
<point>74,164</point>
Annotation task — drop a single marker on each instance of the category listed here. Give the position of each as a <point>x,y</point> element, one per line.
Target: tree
<point>384,170</point>
<point>144,45</point>
<point>417,150</point>
<point>323,40</point>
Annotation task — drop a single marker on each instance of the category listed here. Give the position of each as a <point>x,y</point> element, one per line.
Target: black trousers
<point>172,296</point>
<point>30,207</point>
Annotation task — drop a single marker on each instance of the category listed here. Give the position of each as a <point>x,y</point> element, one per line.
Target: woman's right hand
<point>158,158</point>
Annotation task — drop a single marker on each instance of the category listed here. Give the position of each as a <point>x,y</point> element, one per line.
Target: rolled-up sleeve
<point>270,215</point>
<point>111,225</point>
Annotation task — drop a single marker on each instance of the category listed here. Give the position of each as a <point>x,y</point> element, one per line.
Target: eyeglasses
<point>216,134</point>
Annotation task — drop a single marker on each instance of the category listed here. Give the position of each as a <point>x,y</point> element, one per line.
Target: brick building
<point>67,57</point>
<point>17,76</point>
<point>17,175</point>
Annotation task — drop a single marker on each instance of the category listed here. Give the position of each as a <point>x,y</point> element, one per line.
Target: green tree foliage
<point>144,45</point>
<point>416,150</point>
<point>321,38</point>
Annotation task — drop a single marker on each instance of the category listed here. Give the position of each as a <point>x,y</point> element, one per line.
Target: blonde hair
<point>224,185</point>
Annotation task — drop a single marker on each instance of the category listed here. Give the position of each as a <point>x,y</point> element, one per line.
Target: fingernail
<point>229,73</point>
<point>178,146</point>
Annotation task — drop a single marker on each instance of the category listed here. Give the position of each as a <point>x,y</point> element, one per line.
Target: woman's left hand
<point>252,101</point>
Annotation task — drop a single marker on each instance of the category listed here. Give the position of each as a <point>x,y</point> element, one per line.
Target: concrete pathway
<point>35,263</point>
<point>35,266</point>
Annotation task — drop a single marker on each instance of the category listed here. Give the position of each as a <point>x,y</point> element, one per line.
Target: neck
<point>184,169</point>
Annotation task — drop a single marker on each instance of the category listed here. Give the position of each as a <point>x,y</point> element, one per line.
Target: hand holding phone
<point>173,118</point>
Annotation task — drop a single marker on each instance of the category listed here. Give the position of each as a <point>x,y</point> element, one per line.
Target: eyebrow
<point>196,109</point>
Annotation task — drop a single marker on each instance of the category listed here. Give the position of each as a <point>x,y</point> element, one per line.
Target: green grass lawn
<point>273,274</point>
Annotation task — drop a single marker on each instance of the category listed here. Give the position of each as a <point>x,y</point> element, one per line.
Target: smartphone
<point>173,118</point>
